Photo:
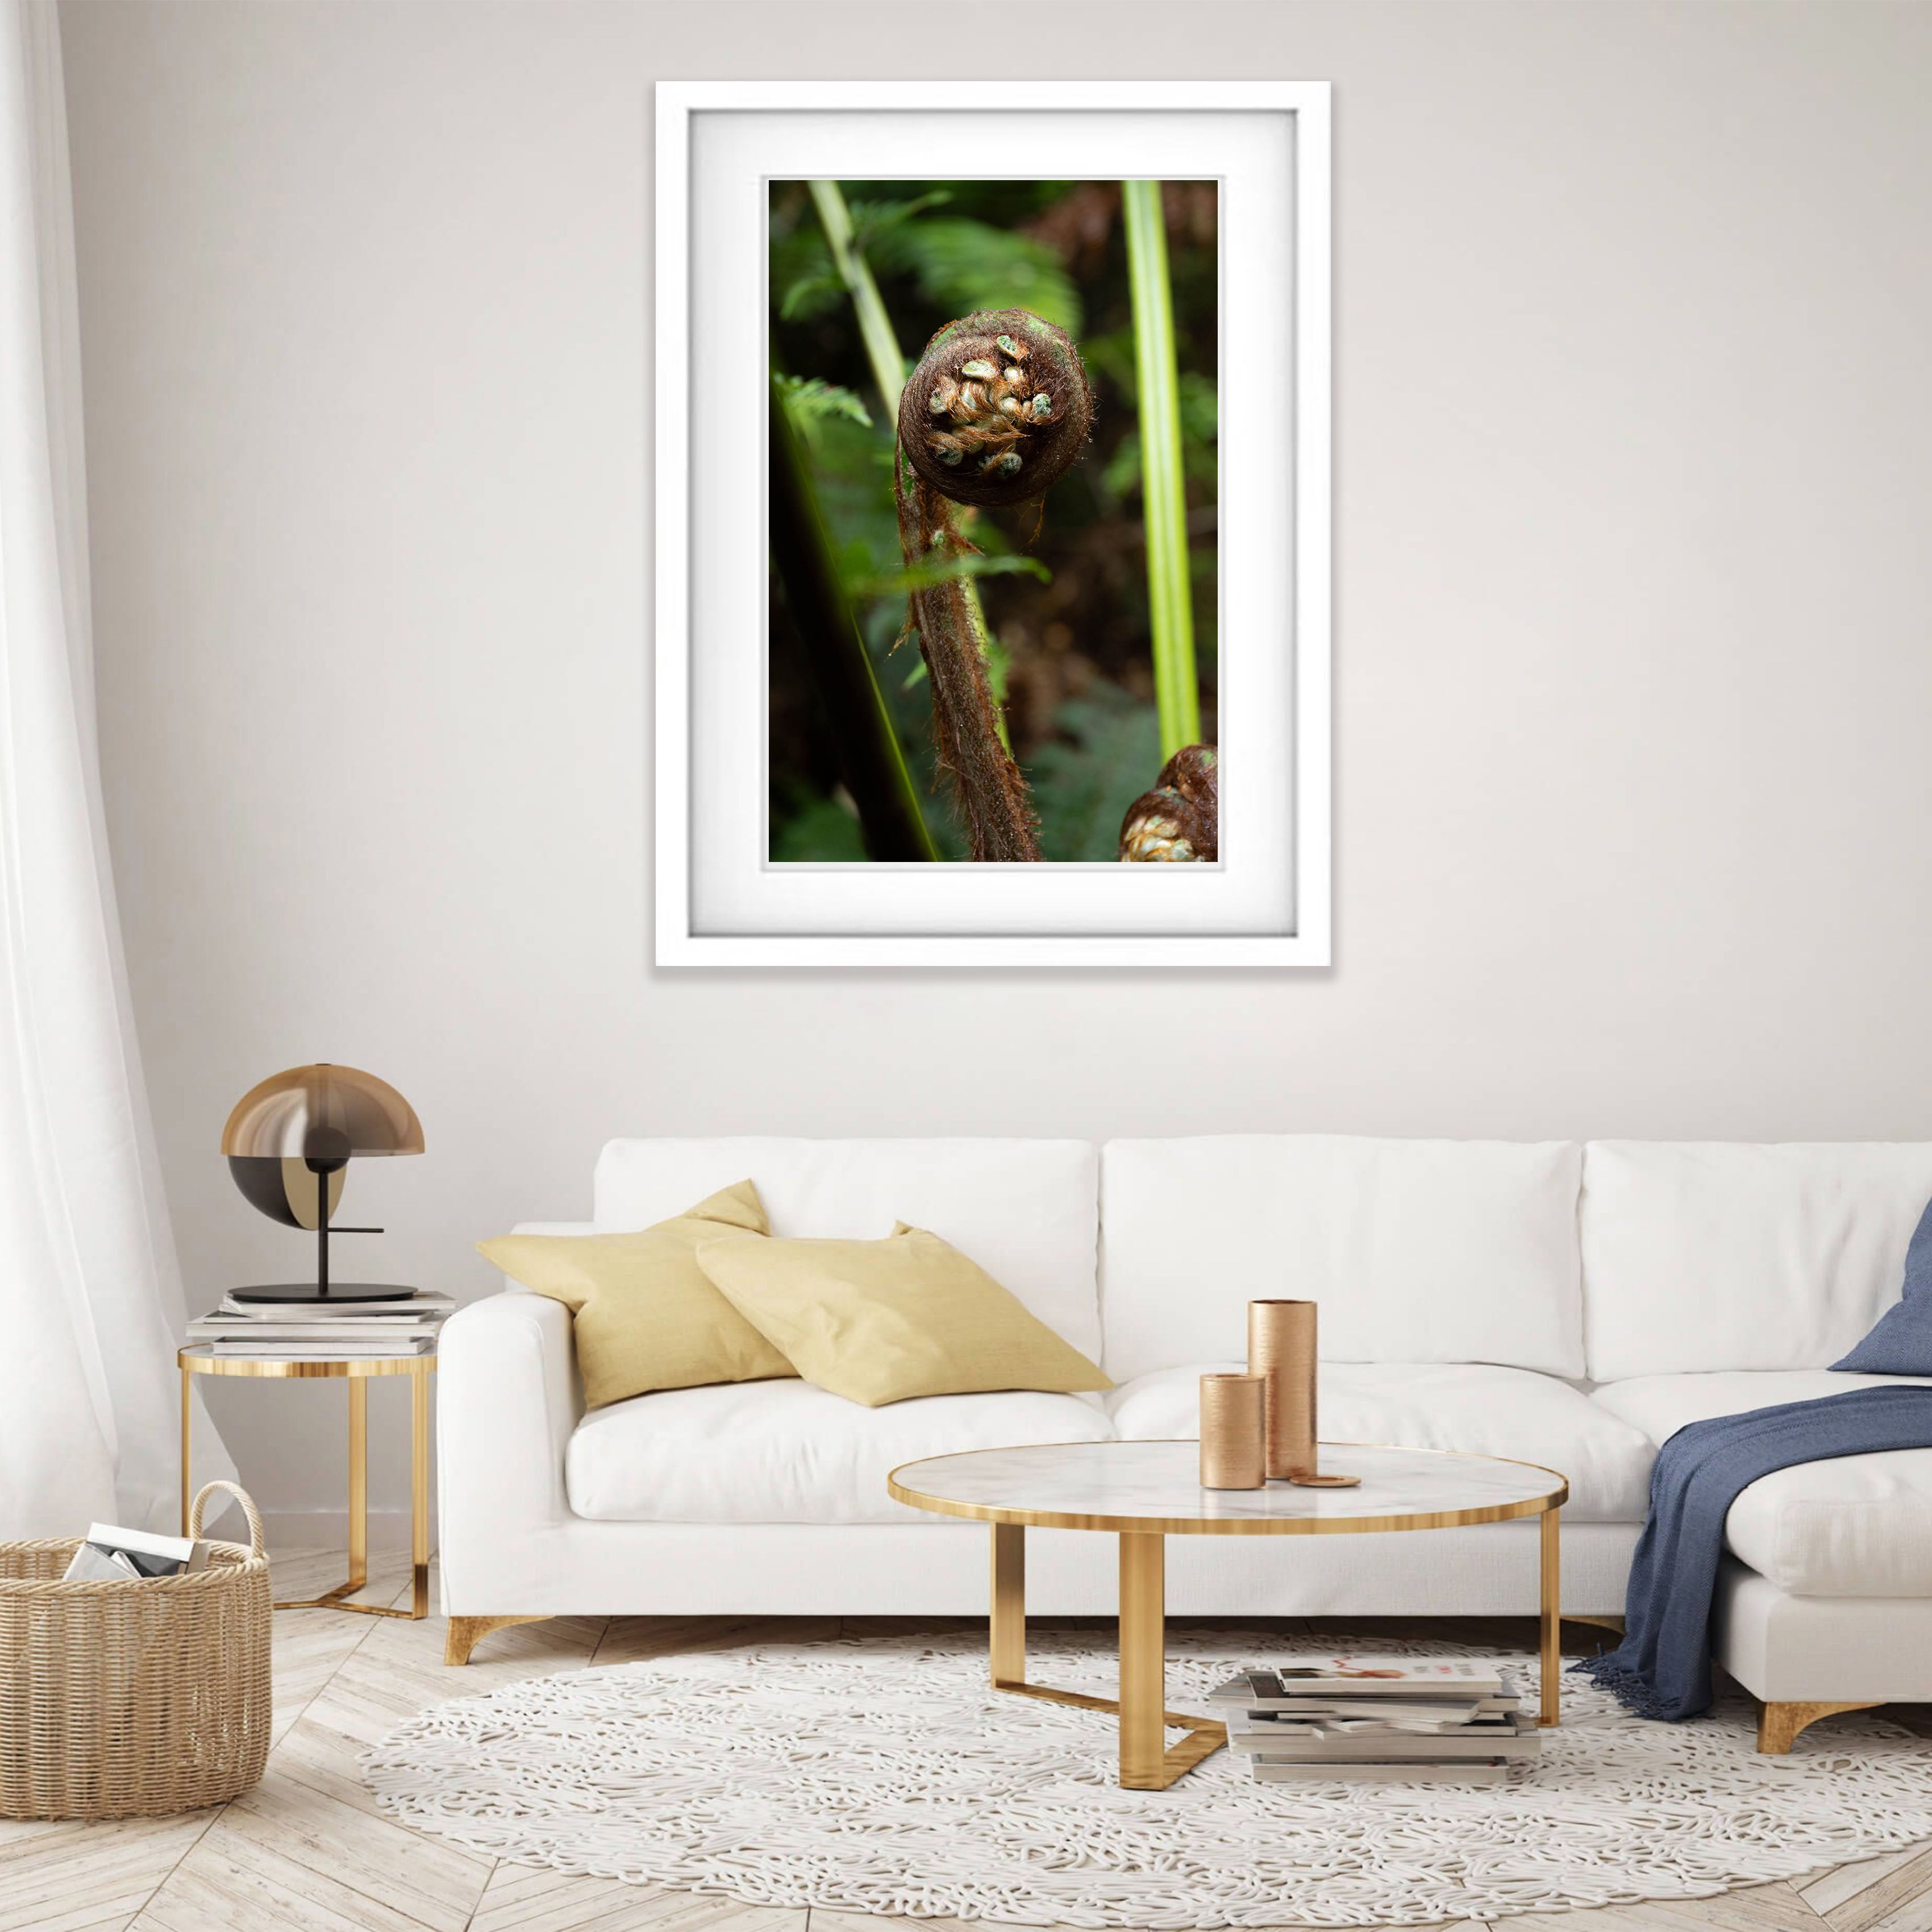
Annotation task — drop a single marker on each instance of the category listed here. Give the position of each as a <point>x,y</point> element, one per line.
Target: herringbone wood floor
<point>306,1851</point>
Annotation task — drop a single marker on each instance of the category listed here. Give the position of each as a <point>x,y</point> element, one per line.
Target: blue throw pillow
<point>1901,1344</point>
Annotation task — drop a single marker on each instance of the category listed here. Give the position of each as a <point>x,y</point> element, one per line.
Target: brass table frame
<point>356,1371</point>
<point>1147,1761</point>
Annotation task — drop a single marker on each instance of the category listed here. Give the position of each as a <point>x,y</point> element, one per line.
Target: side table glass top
<point>1156,1486</point>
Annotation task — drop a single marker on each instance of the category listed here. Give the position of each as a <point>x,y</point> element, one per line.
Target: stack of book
<point>1379,1720</point>
<point>320,1331</point>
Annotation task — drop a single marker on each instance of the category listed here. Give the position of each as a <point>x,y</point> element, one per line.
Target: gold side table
<point>357,1371</point>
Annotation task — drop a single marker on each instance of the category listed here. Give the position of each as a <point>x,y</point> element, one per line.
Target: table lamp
<point>289,1141</point>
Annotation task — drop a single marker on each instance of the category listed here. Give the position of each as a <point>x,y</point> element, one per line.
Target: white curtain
<point>91,1305</point>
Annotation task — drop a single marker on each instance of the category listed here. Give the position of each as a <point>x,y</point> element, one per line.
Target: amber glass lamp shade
<point>289,1142</point>
<point>321,1112</point>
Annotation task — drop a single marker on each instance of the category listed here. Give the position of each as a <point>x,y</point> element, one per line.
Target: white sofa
<point>1564,1304</point>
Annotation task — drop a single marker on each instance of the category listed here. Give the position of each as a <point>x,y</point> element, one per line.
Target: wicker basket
<point>122,1700</point>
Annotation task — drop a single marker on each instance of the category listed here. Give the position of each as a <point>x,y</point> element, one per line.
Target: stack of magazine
<point>112,1554</point>
<point>321,1331</point>
<point>1379,1720</point>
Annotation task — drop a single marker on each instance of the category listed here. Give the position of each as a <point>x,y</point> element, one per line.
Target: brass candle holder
<point>1233,1427</point>
<point>1281,1351</point>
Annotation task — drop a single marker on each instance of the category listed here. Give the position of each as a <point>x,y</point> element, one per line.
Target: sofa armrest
<point>507,1402</point>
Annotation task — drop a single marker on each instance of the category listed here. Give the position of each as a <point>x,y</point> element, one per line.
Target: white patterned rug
<point>882,1775</point>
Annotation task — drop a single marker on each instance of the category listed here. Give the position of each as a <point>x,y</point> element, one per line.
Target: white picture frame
<point>1268,903</point>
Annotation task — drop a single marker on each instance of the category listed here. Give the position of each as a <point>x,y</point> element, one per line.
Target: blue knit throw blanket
<point>1662,1667</point>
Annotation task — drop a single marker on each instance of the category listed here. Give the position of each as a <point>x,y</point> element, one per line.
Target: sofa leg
<point>466,1632</point>
<point>1779,1724</point>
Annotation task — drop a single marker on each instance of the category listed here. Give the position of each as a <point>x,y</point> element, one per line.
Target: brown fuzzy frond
<point>997,409</point>
<point>987,786</point>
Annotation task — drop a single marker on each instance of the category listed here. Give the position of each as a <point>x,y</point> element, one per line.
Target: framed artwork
<point>992,524</point>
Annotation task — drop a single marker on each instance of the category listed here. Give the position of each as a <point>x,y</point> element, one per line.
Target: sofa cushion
<point>1853,1526</point>
<point>787,1452</point>
<point>1706,1255</point>
<point>1901,1344</point>
<point>883,1321</point>
<point>1484,1412</point>
<point>644,1314</point>
<point>1417,1251</point>
<point>1024,1210</point>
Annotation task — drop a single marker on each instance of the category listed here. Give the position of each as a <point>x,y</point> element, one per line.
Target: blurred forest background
<point>1065,594</point>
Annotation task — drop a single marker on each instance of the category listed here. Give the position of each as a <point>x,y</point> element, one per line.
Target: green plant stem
<point>1163,488</point>
<point>889,368</point>
<point>868,748</point>
<point>875,326</point>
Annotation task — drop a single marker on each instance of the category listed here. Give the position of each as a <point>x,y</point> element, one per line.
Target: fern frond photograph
<point>993,568</point>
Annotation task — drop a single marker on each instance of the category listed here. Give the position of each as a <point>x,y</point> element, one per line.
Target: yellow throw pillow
<point>877,1321</point>
<point>646,1315</point>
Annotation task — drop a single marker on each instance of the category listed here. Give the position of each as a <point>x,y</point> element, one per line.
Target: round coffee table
<point>1146,1492</point>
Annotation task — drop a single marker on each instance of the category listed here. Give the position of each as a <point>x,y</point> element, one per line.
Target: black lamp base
<point>338,1293</point>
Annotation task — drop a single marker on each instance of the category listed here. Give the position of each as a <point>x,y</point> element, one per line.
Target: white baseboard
<point>328,1529</point>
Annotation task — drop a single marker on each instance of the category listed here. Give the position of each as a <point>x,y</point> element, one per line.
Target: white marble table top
<point>1155,1486</point>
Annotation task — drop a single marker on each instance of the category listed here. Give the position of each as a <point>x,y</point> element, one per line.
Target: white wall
<point>1632,681</point>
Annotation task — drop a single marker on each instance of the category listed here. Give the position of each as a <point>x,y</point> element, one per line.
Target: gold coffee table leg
<point>1143,1662</point>
<point>1550,1704</point>
<point>1007,1645</point>
<point>1146,1764</point>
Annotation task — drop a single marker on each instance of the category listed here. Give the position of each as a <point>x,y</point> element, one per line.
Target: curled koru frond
<point>1179,821</point>
<point>997,409</point>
